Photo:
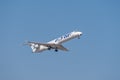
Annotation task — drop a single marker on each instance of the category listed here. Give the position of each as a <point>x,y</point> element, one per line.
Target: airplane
<point>55,44</point>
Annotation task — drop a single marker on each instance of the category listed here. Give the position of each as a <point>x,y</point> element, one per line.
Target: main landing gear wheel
<point>56,50</point>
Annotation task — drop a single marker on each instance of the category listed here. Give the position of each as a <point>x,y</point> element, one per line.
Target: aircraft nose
<point>80,33</point>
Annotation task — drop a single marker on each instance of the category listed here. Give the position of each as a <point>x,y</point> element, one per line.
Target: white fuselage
<point>66,37</point>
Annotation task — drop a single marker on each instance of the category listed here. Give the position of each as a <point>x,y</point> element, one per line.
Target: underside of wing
<point>62,48</point>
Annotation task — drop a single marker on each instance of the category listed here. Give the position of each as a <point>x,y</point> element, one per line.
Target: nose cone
<point>80,33</point>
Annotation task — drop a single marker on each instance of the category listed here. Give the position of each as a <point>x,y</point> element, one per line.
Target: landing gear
<point>56,50</point>
<point>49,48</point>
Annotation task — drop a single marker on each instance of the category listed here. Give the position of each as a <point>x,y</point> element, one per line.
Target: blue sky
<point>96,56</point>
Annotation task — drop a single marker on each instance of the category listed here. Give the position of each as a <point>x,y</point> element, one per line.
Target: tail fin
<point>33,48</point>
<point>32,45</point>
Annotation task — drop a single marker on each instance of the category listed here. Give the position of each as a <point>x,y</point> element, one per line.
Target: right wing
<point>61,47</point>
